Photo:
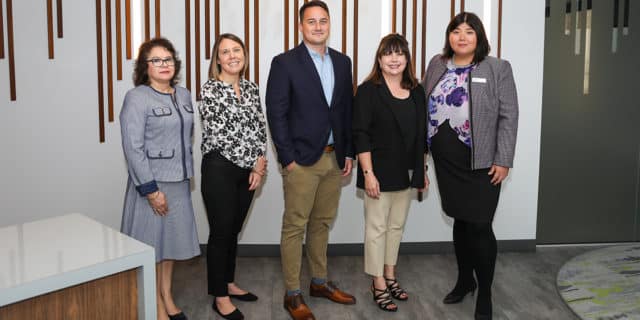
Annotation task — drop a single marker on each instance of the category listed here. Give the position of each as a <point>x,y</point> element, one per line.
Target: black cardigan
<point>376,129</point>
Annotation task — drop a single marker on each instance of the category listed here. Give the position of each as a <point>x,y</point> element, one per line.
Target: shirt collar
<point>315,54</point>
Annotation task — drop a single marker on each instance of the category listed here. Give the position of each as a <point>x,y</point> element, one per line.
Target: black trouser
<point>476,250</point>
<point>225,190</point>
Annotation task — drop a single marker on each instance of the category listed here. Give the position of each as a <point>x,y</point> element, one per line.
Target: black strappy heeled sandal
<point>383,299</point>
<point>396,291</point>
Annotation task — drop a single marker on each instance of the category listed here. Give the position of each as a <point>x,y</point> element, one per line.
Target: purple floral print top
<point>449,100</point>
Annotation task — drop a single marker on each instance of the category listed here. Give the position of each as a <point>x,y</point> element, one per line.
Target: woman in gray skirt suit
<point>156,122</point>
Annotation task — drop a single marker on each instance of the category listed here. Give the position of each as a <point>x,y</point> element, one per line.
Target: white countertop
<point>51,254</point>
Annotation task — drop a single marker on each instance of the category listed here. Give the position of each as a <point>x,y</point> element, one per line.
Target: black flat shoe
<point>178,316</point>
<point>484,308</point>
<point>244,297</point>
<point>235,315</point>
<point>457,294</point>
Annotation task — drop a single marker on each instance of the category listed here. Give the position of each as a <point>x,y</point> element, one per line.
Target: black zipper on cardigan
<point>184,160</point>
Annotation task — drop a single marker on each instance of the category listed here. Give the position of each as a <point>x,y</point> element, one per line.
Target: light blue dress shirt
<point>324,66</point>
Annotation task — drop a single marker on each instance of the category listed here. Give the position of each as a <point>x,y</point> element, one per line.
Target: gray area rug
<point>603,284</point>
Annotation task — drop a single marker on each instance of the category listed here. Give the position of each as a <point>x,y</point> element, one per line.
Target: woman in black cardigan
<point>389,127</point>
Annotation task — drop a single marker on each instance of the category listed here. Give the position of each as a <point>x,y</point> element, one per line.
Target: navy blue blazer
<point>299,116</point>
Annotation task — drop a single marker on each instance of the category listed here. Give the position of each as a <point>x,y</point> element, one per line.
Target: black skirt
<point>466,194</point>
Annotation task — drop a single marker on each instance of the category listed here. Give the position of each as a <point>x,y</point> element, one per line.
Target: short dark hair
<point>313,3</point>
<point>140,74</point>
<point>214,67</point>
<point>482,46</point>
<point>394,43</point>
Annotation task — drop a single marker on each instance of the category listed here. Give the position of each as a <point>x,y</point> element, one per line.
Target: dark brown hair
<point>140,74</point>
<point>482,46</point>
<point>313,3</point>
<point>214,67</point>
<point>394,43</point>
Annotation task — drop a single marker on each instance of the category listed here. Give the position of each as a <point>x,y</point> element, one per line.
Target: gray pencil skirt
<point>174,236</point>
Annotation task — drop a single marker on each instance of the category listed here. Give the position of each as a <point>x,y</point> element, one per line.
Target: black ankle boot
<point>459,292</point>
<point>484,309</point>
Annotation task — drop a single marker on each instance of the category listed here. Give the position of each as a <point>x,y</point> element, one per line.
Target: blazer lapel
<point>338,73</point>
<point>308,67</point>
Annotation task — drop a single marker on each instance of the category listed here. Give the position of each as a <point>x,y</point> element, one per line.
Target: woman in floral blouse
<point>233,164</point>
<point>471,133</point>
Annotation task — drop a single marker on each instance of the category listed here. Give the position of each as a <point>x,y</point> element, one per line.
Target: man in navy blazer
<point>309,108</point>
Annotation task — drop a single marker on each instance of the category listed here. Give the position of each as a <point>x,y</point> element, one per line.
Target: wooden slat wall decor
<point>216,12</point>
<point>147,20</point>
<point>461,5</point>
<point>99,66</point>
<point>414,25</point>
<point>355,45</point>
<point>196,9</point>
<point>50,27</point>
<point>499,28</point>
<point>424,39</point>
<point>127,18</point>
<point>296,7</point>
<point>187,35</point>
<point>12,62</point>
<point>404,18</point>
<point>286,25</point>
<point>157,17</point>
<point>207,29</point>
<point>59,17</point>
<point>453,8</point>
<point>119,39</point>
<point>256,41</point>
<point>246,37</point>
<point>109,59</point>
<point>394,14</point>
<point>344,26</point>
<point>1,32</point>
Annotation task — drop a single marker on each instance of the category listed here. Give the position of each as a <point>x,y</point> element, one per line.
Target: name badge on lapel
<point>479,80</point>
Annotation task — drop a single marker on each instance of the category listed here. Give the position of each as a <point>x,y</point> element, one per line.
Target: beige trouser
<point>311,196</point>
<point>384,224</point>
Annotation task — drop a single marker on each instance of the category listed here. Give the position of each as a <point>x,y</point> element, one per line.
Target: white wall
<point>52,163</point>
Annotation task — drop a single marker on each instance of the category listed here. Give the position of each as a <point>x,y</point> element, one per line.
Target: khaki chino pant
<point>384,224</point>
<point>311,196</point>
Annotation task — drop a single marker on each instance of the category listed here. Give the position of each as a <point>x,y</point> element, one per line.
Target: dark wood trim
<point>423,51</point>
<point>196,9</point>
<point>394,14</point>
<point>286,25</point>
<point>247,35</point>
<point>217,16</point>
<point>499,28</point>
<point>50,28</point>
<point>2,31</point>
<point>119,39</point>
<point>107,5</point>
<point>404,18</point>
<point>207,29</point>
<point>147,20</point>
<point>127,19</point>
<point>12,61</point>
<point>453,8</point>
<point>187,42</point>
<point>344,26</point>
<point>156,8</point>
<point>414,26</point>
<point>99,67</point>
<point>59,17</point>
<point>461,5</point>
<point>296,7</point>
<point>256,41</point>
<point>355,45</point>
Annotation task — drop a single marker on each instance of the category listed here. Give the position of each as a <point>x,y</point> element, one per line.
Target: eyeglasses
<point>157,62</point>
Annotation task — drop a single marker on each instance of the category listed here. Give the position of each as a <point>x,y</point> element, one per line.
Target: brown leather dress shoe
<point>297,308</point>
<point>331,292</point>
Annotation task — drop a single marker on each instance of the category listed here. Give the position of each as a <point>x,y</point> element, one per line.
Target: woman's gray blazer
<point>157,131</point>
<point>493,104</point>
